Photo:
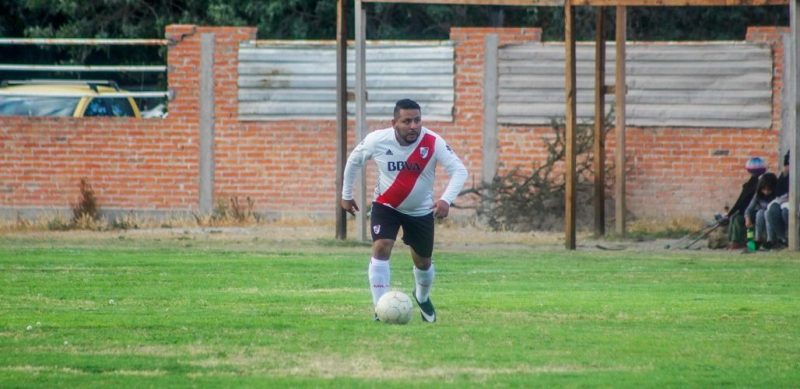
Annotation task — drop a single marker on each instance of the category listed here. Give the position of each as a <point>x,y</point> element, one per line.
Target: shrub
<point>85,213</point>
<point>231,212</point>
<point>528,201</point>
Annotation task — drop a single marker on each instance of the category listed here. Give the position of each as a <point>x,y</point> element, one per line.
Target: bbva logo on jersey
<point>402,165</point>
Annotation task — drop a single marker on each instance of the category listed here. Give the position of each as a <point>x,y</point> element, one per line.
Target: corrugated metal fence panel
<point>278,82</point>
<point>692,85</point>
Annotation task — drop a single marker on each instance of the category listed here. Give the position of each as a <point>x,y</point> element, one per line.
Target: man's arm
<point>750,212</point>
<point>351,170</point>
<point>748,189</point>
<point>458,175</point>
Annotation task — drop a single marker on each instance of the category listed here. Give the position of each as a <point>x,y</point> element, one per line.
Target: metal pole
<point>81,68</point>
<point>83,41</point>
<point>341,114</point>
<point>87,94</point>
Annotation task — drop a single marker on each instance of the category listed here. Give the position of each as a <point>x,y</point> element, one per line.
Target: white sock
<point>424,280</point>
<point>379,277</point>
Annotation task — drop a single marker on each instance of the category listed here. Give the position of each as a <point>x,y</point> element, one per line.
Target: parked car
<point>77,98</point>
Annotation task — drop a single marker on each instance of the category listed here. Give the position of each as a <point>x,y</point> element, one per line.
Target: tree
<point>314,19</point>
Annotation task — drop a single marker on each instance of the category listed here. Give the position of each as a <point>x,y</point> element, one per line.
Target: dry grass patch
<point>678,224</point>
<point>332,366</point>
<point>29,369</point>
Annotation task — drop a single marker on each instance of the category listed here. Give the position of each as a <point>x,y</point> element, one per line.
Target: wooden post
<point>341,114</point>
<point>620,89</point>
<point>598,148</point>
<point>569,126</point>
<point>361,113</point>
<point>794,141</point>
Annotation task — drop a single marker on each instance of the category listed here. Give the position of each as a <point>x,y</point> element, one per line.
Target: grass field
<point>263,311</point>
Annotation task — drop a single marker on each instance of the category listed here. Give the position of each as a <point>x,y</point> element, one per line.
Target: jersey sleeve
<point>455,170</point>
<point>359,155</point>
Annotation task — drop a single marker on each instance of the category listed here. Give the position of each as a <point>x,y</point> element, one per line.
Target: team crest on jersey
<point>376,229</point>
<point>423,152</point>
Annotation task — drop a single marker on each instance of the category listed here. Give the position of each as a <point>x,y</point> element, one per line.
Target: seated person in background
<point>755,214</point>
<point>778,210</point>
<point>737,235</point>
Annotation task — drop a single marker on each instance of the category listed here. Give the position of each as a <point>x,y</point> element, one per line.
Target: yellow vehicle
<point>77,98</point>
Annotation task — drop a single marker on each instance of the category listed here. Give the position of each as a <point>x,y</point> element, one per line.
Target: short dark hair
<point>767,180</point>
<point>405,104</point>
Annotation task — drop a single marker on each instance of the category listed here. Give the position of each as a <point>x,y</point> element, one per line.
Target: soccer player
<point>406,155</point>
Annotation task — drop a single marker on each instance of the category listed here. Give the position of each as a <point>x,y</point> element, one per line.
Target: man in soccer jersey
<point>406,155</point>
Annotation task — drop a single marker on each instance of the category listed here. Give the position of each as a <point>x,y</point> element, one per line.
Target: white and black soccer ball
<point>394,308</point>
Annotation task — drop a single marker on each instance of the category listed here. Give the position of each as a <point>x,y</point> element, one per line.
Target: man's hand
<point>350,206</point>
<point>441,209</point>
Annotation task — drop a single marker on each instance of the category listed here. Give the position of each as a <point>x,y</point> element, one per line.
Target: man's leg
<point>418,234</point>
<point>785,217</point>
<point>737,233</point>
<point>761,227</point>
<point>379,272</point>
<point>774,221</point>
<point>384,227</point>
<point>424,274</point>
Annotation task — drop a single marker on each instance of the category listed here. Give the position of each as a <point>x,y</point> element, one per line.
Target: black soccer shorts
<point>417,230</point>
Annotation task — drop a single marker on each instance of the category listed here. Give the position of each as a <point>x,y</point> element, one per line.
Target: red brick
<point>153,164</point>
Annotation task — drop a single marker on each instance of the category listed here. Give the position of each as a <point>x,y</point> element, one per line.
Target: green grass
<point>169,314</point>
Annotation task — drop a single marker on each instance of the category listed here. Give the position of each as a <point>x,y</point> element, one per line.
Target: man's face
<point>407,125</point>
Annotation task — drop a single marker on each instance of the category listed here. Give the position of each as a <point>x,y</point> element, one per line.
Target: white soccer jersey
<point>405,173</point>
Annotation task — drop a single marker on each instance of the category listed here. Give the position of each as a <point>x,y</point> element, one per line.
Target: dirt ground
<point>287,235</point>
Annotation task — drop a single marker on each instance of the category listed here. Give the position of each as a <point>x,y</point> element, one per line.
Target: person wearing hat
<point>778,210</point>
<point>737,233</point>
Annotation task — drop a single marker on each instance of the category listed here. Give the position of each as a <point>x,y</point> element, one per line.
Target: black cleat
<point>427,312</point>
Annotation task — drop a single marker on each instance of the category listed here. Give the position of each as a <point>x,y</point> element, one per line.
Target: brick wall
<point>132,164</point>
<point>672,172</point>
<point>696,171</point>
<point>288,167</point>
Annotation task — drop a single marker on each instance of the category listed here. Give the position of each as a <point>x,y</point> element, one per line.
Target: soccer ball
<point>394,308</point>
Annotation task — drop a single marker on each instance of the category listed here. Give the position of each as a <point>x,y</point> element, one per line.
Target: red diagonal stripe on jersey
<point>406,178</point>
